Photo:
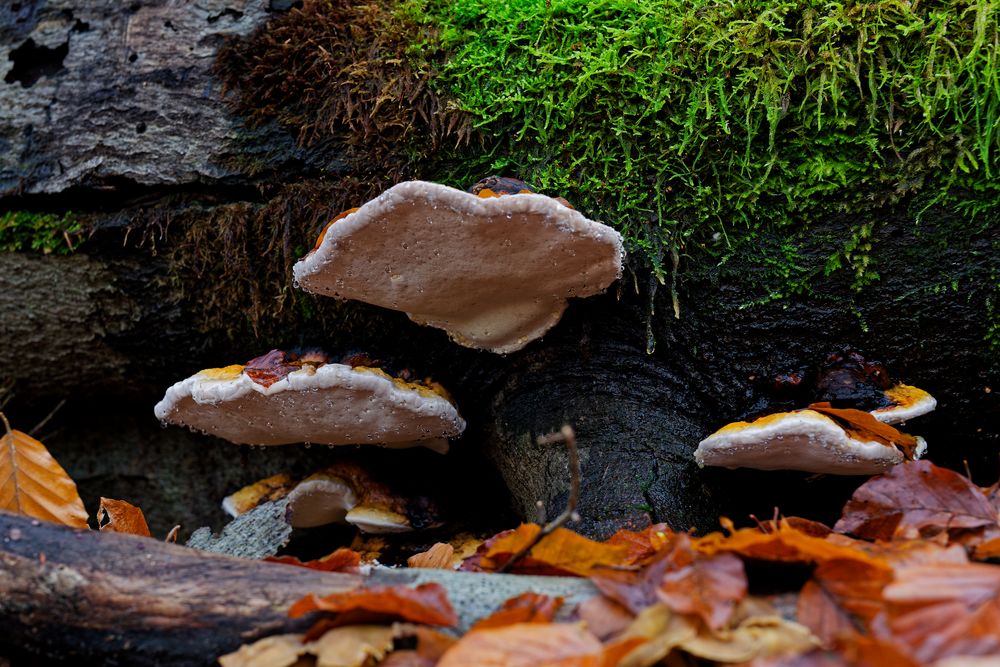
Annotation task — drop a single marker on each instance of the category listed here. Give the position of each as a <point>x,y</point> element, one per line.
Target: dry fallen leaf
<point>427,603</point>
<point>354,646</point>
<point>842,598</point>
<point>915,500</point>
<point>525,608</point>
<point>437,557</point>
<point>32,483</point>
<point>562,552</point>
<point>341,560</point>
<point>644,544</point>
<point>276,651</point>
<point>662,631</point>
<point>706,586</point>
<point>526,645</point>
<point>122,517</point>
<point>786,544</point>
<point>863,426</point>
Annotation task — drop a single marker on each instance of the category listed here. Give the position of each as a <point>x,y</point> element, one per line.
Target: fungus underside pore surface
<point>707,133</point>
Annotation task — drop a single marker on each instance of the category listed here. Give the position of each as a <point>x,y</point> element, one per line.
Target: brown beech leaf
<point>526,645</point>
<point>437,557</point>
<point>122,517</point>
<point>32,483</point>
<point>474,563</point>
<point>662,631</point>
<point>354,646</point>
<point>427,603</point>
<point>642,545</point>
<point>707,586</point>
<point>525,608</point>
<point>431,643</point>
<point>861,425</point>
<point>274,651</point>
<point>786,544</point>
<point>988,550</point>
<point>341,560</point>
<point>874,652</point>
<point>842,598</point>
<point>635,590</point>
<point>915,500</point>
<point>603,616</point>
<point>562,552</point>
<point>972,584</point>
<point>947,630</point>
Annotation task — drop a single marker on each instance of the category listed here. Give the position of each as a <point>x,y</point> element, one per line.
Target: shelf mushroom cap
<point>494,272</point>
<point>804,440</point>
<point>907,402</point>
<point>346,493</point>
<point>330,404</point>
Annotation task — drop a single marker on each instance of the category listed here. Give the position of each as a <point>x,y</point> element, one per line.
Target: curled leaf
<point>122,517</point>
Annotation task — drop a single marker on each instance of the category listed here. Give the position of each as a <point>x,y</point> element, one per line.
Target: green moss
<point>693,126</point>
<point>41,232</point>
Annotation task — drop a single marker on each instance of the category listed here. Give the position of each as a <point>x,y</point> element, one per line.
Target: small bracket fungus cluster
<point>493,270</point>
<point>826,439</point>
<point>282,398</point>
<point>343,493</point>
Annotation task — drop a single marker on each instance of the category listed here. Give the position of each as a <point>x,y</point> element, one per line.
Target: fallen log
<point>109,598</point>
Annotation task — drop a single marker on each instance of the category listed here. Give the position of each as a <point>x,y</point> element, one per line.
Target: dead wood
<point>108,598</point>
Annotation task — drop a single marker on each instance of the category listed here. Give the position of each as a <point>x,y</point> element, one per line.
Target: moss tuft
<point>698,124</point>
<point>41,232</point>
<point>337,70</point>
<point>237,258</point>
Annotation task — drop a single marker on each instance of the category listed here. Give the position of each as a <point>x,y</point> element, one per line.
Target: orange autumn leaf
<point>914,500</point>
<point>525,608</point>
<point>706,586</point>
<point>33,483</point>
<point>563,552</point>
<point>438,557</point>
<point>786,544</point>
<point>842,598</point>
<point>861,651</point>
<point>642,545</point>
<point>427,603</point>
<point>341,560</point>
<point>122,517</point>
<point>988,550</point>
<point>526,645</point>
<point>604,617</point>
<point>946,630</point>
<point>687,581</point>
<point>861,425</point>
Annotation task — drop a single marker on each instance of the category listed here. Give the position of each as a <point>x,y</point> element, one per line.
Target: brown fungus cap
<point>494,272</point>
<point>275,400</point>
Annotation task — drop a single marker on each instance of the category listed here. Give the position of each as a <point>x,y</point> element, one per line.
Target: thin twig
<point>568,436</point>
<point>39,425</point>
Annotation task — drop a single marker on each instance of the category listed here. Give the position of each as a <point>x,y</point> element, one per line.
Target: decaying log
<point>107,598</point>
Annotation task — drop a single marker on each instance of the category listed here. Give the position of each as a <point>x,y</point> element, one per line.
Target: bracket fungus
<point>283,398</point>
<point>905,402</point>
<point>817,439</point>
<point>341,493</point>
<point>493,270</point>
